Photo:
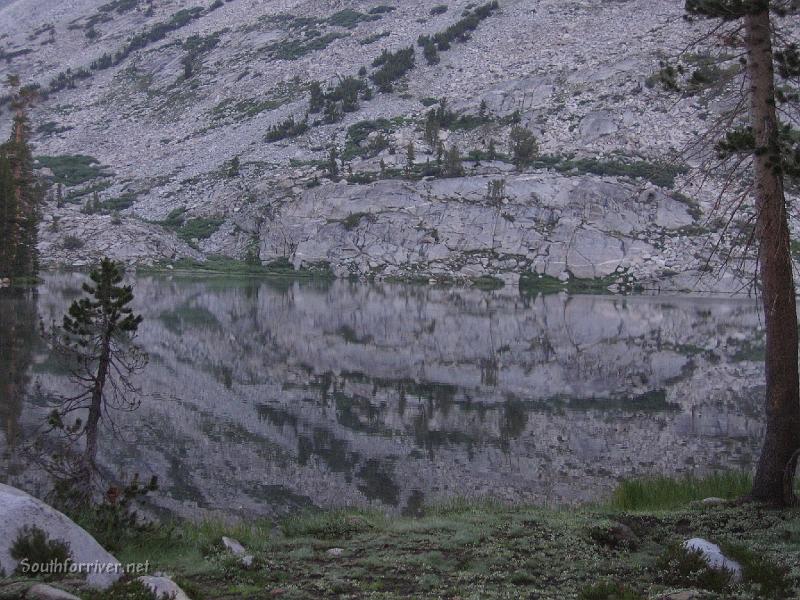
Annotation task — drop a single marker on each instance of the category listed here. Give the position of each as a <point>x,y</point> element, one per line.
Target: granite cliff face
<point>171,104</point>
<point>279,396</point>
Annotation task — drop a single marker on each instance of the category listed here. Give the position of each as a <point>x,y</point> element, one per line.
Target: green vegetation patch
<point>294,48</point>
<point>662,174</point>
<point>487,283</point>
<point>371,39</point>
<point>358,133</point>
<point>118,6</point>
<point>190,229</point>
<point>226,266</point>
<point>532,283</point>
<point>241,110</point>
<point>349,18</point>
<point>478,549</point>
<point>52,128</point>
<point>74,169</point>
<point>391,67</point>
<point>663,493</point>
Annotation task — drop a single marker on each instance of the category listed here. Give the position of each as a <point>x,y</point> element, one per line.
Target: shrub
<point>73,169</point>
<point>339,100</point>
<point>232,167</point>
<point>679,566</point>
<point>122,202</point>
<point>292,49</point>
<point>287,129</point>
<point>200,228</point>
<point>71,242</point>
<point>381,9</point>
<point>772,579</point>
<point>452,163</point>
<point>609,591</point>
<point>122,590</point>
<point>349,18</point>
<point>114,521</point>
<point>34,545</point>
<point>393,66</point>
<point>317,98</point>
<point>439,9</point>
<point>371,39</point>
<point>430,53</point>
<point>461,29</point>
<point>523,146</point>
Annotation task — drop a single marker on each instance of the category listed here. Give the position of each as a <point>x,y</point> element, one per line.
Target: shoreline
<point>629,548</point>
<point>526,286</point>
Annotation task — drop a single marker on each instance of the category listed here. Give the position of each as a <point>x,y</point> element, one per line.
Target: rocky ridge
<point>180,161</point>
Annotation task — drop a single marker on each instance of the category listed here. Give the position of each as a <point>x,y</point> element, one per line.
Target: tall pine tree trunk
<point>775,270</point>
<point>95,413</point>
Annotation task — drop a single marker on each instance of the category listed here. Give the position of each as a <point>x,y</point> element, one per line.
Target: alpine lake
<point>267,396</point>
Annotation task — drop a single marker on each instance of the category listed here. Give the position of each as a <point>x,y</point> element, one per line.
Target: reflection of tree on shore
<point>18,337</point>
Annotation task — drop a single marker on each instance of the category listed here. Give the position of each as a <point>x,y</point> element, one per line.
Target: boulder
<point>40,591</point>
<point>598,124</point>
<point>235,548</point>
<point>163,587</point>
<point>714,557</point>
<point>19,509</point>
<point>714,501</point>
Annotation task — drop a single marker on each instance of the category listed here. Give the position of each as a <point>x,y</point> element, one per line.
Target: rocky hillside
<point>182,129</point>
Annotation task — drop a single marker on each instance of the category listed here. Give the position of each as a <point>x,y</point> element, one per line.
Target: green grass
<point>200,228</point>
<point>189,230</point>
<point>73,169</point>
<point>663,493</point>
<point>487,283</point>
<point>294,48</point>
<point>662,174</point>
<point>532,284</point>
<point>349,18</point>
<point>475,549</point>
<point>230,267</point>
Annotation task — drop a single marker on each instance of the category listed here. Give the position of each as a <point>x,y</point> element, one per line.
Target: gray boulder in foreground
<point>163,587</point>
<point>235,548</point>
<point>19,509</point>
<point>714,557</point>
<point>41,591</point>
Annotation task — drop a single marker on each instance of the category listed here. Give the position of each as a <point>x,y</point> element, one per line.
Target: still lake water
<point>264,397</point>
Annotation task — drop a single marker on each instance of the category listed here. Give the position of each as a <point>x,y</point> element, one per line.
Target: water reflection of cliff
<point>277,396</point>
<point>18,337</point>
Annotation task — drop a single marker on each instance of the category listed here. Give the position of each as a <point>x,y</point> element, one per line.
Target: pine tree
<point>411,157</point>
<point>317,97</point>
<point>332,165</point>
<point>491,152</point>
<point>21,196</point>
<point>483,111</point>
<point>432,127</point>
<point>453,166</point>
<point>96,339</point>
<point>8,219</point>
<point>523,146</point>
<point>763,138</point>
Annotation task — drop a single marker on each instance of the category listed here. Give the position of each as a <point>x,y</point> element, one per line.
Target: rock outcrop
<point>158,161</point>
<point>19,510</point>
